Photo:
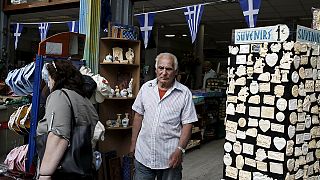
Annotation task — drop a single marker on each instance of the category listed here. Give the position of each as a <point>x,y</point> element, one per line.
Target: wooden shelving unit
<point>118,74</point>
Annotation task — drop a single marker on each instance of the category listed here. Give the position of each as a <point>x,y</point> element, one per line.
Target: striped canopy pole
<point>83,13</point>
<point>91,50</point>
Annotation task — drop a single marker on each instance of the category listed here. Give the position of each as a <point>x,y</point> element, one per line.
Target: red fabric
<point>161,93</point>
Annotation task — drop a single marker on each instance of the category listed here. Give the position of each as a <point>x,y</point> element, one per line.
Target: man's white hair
<point>169,55</point>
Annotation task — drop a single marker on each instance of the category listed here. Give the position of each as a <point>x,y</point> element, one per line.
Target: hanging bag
<point>77,159</point>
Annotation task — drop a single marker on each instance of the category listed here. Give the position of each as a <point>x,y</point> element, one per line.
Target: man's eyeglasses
<point>161,68</point>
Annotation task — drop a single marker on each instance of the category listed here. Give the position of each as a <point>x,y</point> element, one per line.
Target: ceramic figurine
<point>117,54</point>
<point>111,93</point>
<point>108,59</point>
<point>125,121</point>
<point>118,121</point>
<point>117,91</point>
<point>130,88</point>
<point>124,93</point>
<point>130,55</point>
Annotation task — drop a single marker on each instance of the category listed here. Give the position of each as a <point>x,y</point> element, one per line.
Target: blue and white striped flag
<point>73,26</point>
<point>193,15</point>
<point>250,10</point>
<point>43,28</point>
<point>146,24</point>
<point>17,29</point>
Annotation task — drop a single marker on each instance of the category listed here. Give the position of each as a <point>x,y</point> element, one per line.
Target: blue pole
<point>34,111</point>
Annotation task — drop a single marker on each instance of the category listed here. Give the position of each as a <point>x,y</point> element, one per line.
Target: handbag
<point>77,159</point>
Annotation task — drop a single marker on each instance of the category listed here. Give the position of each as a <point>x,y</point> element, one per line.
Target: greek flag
<point>73,26</point>
<point>146,24</point>
<point>17,29</point>
<point>193,15</point>
<point>250,10</point>
<point>43,28</point>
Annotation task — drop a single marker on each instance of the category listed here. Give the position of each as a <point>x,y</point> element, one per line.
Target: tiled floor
<point>205,163</point>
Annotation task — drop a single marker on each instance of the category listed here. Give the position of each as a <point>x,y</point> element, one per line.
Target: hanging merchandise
<point>21,80</point>
<point>17,29</point>
<point>250,10</point>
<point>280,101</point>
<point>146,24</point>
<point>73,26</point>
<point>193,15</point>
<point>315,18</point>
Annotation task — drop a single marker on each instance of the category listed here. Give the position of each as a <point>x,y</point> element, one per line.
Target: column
<point>198,54</point>
<point>150,56</point>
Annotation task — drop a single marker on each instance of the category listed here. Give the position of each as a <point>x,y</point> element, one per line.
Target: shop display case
<point>120,68</point>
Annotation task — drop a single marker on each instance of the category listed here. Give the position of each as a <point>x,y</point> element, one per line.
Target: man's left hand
<point>175,158</point>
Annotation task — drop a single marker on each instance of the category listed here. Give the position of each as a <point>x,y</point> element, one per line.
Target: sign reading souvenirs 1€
<point>278,33</point>
<point>305,34</point>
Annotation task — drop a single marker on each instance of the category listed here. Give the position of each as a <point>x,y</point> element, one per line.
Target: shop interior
<point>170,34</point>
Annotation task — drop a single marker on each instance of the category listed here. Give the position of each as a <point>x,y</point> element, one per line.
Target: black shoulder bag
<point>77,159</point>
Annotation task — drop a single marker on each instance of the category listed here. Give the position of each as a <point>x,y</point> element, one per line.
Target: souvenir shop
<point>263,103</point>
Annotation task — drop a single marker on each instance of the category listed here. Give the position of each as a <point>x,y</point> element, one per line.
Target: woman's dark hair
<point>65,75</point>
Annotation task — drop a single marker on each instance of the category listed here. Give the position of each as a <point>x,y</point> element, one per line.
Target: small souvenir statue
<point>117,91</point>
<point>130,88</point>
<point>124,93</point>
<point>108,59</point>
<point>125,121</point>
<point>118,121</point>
<point>117,54</point>
<point>130,55</point>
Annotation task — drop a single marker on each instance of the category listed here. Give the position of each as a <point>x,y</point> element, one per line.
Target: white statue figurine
<point>130,55</point>
<point>130,88</point>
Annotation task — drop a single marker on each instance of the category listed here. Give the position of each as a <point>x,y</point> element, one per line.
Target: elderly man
<point>162,123</point>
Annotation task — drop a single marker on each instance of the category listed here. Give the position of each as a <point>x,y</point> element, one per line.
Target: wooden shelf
<point>119,64</point>
<point>196,131</point>
<point>119,39</point>
<point>119,128</point>
<point>120,98</point>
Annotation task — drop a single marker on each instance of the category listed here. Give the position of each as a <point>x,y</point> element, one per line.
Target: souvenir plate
<point>237,147</point>
<point>295,77</point>
<point>291,131</point>
<point>244,49</point>
<point>262,166</point>
<point>271,59</point>
<point>275,47</point>
<point>227,147</point>
<point>281,104</point>
<point>276,168</point>
<point>264,125</point>
<point>279,143</point>
<point>253,122</point>
<point>242,122</point>
<point>244,175</point>
<point>261,155</point>
<point>263,141</point>
<point>267,112</point>
<point>295,91</point>
<point>248,149</point>
<point>293,118</point>
<point>232,172</point>
<point>227,159</point>
<point>280,116</point>
<point>239,161</point>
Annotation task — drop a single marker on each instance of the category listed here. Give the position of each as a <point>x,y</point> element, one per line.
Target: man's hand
<point>175,158</point>
<point>132,148</point>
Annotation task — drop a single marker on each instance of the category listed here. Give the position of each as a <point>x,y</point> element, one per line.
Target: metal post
<point>34,111</point>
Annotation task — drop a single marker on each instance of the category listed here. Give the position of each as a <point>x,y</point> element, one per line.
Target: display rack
<point>118,74</point>
<point>66,45</point>
<point>272,122</point>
